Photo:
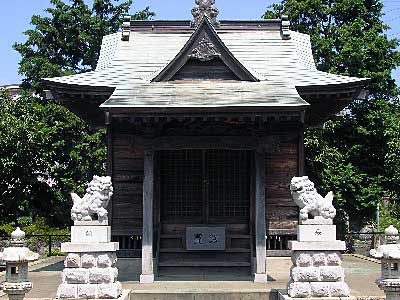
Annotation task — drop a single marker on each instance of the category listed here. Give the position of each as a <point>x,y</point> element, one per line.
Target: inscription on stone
<point>205,238</point>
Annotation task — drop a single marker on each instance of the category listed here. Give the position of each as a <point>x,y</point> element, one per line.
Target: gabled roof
<point>278,61</point>
<point>204,45</point>
<point>264,53</point>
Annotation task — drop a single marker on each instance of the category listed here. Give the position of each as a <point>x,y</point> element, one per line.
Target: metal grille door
<point>205,186</point>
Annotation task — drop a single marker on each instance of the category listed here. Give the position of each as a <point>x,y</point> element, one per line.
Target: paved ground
<point>360,275</point>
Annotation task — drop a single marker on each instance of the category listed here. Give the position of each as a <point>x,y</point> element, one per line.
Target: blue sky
<point>15,18</point>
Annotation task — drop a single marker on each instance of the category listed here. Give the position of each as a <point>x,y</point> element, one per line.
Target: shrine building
<point>205,122</point>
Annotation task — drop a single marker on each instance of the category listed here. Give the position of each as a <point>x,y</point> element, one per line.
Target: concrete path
<point>360,275</point>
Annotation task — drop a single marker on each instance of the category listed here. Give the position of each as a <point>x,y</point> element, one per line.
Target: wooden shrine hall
<point>205,122</point>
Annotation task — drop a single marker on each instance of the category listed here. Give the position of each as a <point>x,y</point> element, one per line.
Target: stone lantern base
<point>391,288</point>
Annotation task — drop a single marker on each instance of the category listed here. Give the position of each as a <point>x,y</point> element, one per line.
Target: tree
<point>45,150</point>
<point>68,41</point>
<point>355,154</point>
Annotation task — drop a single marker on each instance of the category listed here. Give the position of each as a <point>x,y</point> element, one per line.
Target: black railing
<point>44,244</point>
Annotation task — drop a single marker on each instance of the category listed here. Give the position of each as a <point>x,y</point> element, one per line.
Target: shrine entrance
<point>205,186</point>
<point>208,192</point>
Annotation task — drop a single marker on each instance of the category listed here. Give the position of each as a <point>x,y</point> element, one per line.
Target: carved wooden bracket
<point>205,50</point>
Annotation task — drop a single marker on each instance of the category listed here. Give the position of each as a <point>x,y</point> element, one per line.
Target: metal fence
<point>130,246</point>
<point>44,244</point>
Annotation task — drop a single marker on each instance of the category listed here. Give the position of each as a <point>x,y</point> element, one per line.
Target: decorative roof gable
<point>205,46</point>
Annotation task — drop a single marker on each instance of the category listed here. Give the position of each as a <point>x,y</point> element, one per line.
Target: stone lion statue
<point>92,206</point>
<point>310,202</point>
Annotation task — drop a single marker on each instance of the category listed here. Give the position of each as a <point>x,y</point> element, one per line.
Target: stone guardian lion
<point>92,207</point>
<point>310,202</point>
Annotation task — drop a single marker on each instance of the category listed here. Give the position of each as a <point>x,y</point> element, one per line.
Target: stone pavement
<point>360,275</point>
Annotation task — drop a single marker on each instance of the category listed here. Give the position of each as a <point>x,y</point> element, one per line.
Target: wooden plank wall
<point>282,163</point>
<point>128,158</point>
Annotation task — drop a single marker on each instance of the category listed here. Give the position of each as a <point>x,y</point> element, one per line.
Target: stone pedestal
<point>317,271</point>
<point>90,266</point>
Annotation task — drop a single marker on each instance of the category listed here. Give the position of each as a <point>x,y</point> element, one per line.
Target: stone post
<point>317,271</point>
<point>17,257</point>
<point>90,265</point>
<point>390,264</point>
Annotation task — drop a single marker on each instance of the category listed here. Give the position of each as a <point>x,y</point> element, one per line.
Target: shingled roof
<point>278,61</point>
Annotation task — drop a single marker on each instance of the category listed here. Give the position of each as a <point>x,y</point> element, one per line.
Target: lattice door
<point>205,186</point>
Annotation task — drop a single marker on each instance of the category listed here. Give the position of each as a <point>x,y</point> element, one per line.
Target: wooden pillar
<point>260,226</point>
<point>147,275</point>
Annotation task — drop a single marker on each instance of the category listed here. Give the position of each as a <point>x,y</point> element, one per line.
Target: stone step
<point>203,296</point>
<point>201,290</point>
<point>181,250</point>
<point>194,263</point>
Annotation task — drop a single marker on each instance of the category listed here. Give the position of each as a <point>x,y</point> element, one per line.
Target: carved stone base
<point>317,273</point>
<point>90,275</point>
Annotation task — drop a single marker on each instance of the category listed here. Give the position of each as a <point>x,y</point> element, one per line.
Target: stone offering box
<point>90,266</point>
<point>317,271</point>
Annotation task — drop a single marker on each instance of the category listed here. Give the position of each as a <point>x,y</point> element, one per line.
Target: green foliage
<point>355,154</point>
<point>45,153</point>
<point>68,41</point>
<point>389,215</point>
<point>45,150</point>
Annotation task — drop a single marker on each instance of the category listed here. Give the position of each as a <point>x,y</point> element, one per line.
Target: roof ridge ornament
<point>204,8</point>
<point>285,28</point>
<point>126,28</point>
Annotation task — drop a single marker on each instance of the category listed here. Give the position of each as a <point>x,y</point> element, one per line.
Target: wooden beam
<point>147,275</point>
<point>301,156</point>
<point>260,226</point>
<point>109,162</point>
<point>203,142</point>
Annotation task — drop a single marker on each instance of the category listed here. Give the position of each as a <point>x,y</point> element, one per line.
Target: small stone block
<point>67,291</point>
<point>147,278</point>
<point>91,234</point>
<point>319,259</point>
<point>109,290</point>
<point>302,259</point>
<point>73,260</point>
<point>88,260</point>
<point>305,274</point>
<point>87,291</point>
<point>339,289</point>
<point>331,273</point>
<point>106,260</point>
<point>299,289</point>
<point>316,233</point>
<point>75,275</point>
<point>260,278</point>
<point>320,289</point>
<point>317,246</point>
<point>89,247</point>
<point>107,275</point>
<point>334,259</point>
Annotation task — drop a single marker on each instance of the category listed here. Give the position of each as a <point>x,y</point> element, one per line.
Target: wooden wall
<point>282,163</point>
<point>128,184</point>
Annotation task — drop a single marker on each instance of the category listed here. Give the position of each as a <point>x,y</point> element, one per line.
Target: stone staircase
<point>173,258</point>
